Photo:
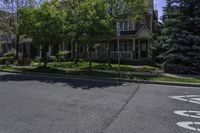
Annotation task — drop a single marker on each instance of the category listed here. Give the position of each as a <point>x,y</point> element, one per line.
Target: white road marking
<point>192,114</point>
<point>196,99</point>
<point>189,125</point>
<point>188,98</point>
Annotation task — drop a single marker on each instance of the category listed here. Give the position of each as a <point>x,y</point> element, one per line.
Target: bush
<point>8,58</point>
<point>37,59</point>
<point>10,54</point>
<point>180,69</point>
<point>52,59</point>
<point>62,55</point>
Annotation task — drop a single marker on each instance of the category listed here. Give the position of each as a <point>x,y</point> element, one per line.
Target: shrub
<point>10,54</point>
<point>37,59</point>
<point>52,59</point>
<point>62,55</point>
<point>8,58</point>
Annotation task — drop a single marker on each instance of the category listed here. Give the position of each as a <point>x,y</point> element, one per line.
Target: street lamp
<point>118,29</point>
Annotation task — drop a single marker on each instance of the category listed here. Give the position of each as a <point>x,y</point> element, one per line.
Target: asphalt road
<point>37,104</point>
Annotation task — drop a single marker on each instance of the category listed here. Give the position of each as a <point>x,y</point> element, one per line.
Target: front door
<point>144,48</point>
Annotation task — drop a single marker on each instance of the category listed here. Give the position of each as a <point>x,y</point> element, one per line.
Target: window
<point>126,45</point>
<point>127,25</point>
<point>121,25</point>
<point>143,20</point>
<point>130,25</point>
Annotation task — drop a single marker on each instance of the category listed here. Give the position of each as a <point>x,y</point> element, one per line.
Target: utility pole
<point>118,47</point>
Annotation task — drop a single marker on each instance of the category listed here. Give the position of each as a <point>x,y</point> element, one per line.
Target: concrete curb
<point>106,79</point>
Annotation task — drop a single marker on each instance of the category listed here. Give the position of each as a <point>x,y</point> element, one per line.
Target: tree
<point>98,24</point>
<point>157,48</point>
<point>180,37</point>
<point>12,7</point>
<point>112,9</point>
<point>45,25</point>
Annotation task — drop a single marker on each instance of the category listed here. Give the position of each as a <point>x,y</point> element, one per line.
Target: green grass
<point>102,66</point>
<point>167,78</point>
<point>81,70</point>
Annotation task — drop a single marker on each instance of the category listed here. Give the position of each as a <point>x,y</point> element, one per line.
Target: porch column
<point>22,52</point>
<point>108,45</point>
<point>63,46</point>
<point>40,51</point>
<point>72,51</point>
<point>49,51</point>
<point>139,49</point>
<point>149,46</point>
<point>133,49</point>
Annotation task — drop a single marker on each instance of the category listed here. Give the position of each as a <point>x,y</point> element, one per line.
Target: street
<point>41,104</point>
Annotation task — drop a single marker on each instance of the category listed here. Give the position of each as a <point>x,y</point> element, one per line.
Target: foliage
<point>181,37</point>
<point>45,25</point>
<point>81,22</point>
<point>98,24</point>
<point>8,58</point>
<point>10,18</point>
<point>37,59</point>
<point>52,59</point>
<point>124,9</point>
<point>157,47</point>
<point>62,55</point>
<point>10,54</point>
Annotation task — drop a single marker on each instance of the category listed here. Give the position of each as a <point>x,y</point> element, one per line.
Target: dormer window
<point>127,25</point>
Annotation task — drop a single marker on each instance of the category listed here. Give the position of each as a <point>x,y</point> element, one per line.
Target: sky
<point>159,4</point>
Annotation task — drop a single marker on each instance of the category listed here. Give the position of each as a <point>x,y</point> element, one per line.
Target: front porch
<point>129,50</point>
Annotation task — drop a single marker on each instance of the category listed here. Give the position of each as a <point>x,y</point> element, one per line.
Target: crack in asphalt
<point>121,110</point>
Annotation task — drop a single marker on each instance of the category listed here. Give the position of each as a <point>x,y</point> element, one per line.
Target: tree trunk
<point>90,59</point>
<point>45,57</point>
<point>108,57</point>
<point>17,48</point>
<point>76,54</point>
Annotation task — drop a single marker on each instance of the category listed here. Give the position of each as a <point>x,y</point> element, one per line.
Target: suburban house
<point>135,41</point>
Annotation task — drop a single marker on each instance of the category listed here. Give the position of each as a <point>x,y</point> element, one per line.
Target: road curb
<point>106,79</point>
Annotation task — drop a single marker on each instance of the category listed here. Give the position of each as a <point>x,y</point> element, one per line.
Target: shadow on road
<point>72,82</point>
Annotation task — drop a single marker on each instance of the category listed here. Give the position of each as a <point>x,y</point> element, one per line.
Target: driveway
<point>40,104</point>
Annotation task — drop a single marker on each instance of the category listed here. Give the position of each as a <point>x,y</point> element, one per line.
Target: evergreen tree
<point>180,37</point>
<point>190,35</point>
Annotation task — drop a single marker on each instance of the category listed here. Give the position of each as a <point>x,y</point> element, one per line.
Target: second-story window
<point>127,25</point>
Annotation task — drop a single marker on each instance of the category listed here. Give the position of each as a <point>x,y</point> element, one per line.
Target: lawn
<point>102,66</point>
<point>69,68</point>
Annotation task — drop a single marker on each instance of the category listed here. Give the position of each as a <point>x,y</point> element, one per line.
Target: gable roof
<point>144,32</point>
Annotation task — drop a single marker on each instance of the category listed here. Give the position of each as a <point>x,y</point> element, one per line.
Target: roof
<point>144,32</point>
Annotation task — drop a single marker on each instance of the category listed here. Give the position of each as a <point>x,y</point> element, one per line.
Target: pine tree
<point>190,33</point>
<point>167,40</point>
<point>180,37</point>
